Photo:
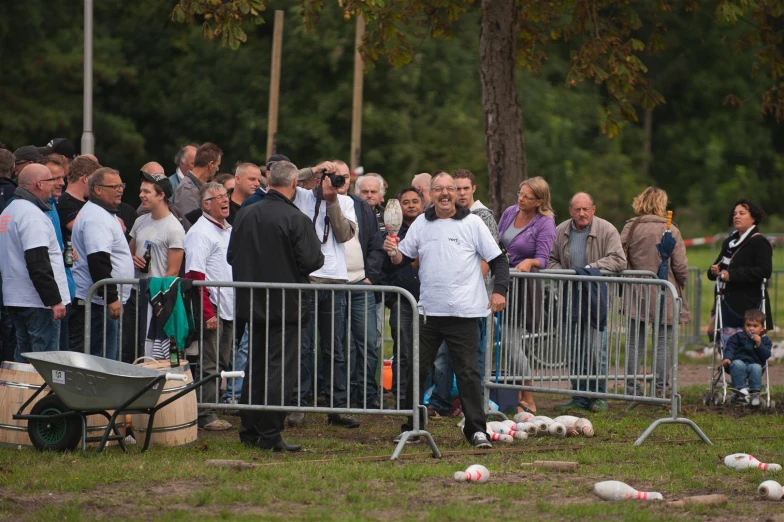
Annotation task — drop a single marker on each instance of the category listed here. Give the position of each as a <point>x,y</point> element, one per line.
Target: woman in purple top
<point>527,232</point>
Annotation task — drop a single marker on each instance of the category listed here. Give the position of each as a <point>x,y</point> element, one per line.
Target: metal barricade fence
<point>291,382</point>
<point>691,332</point>
<point>589,337</point>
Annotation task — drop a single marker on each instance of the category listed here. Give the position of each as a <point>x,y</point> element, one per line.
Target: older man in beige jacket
<point>587,241</point>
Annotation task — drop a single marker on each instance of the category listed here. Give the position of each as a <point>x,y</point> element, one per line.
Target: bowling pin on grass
<point>738,461</point>
<point>528,427</point>
<point>556,429</point>
<point>770,490</point>
<point>474,473</point>
<point>617,490</point>
<point>523,416</point>
<point>584,427</point>
<point>568,421</point>
<point>501,437</point>
<point>499,427</point>
<point>542,422</point>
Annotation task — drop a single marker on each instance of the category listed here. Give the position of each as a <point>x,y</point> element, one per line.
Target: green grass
<point>702,257</point>
<point>327,482</point>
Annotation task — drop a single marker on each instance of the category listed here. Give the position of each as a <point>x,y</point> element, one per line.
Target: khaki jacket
<point>602,247</point>
<point>643,255</point>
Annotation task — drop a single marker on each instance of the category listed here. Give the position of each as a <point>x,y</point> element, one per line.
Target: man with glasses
<point>450,244</point>
<point>335,223</point>
<point>205,165</point>
<point>31,263</point>
<point>103,253</point>
<point>206,248</point>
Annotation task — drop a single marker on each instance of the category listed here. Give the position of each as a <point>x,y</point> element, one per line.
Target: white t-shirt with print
<point>334,252</point>
<point>97,230</point>
<point>450,253</point>
<point>162,234</point>
<point>24,226</point>
<point>206,246</point>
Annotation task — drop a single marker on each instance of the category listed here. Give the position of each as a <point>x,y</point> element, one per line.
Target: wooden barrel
<point>177,423</point>
<point>18,382</point>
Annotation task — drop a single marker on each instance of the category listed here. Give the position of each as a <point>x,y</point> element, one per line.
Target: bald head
<point>153,168</point>
<point>37,179</point>
<point>421,182</point>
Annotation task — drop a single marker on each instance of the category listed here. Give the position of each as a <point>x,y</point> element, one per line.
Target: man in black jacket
<point>276,231</point>
<point>364,258</point>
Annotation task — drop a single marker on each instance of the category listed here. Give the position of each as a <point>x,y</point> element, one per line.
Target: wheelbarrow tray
<point>87,383</point>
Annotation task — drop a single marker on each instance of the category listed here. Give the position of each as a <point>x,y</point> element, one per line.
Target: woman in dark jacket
<point>745,260</point>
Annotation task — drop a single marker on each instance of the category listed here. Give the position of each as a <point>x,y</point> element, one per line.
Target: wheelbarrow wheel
<point>62,434</point>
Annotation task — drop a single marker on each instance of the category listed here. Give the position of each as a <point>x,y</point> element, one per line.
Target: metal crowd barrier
<point>331,368</point>
<point>692,294</point>
<point>551,339</point>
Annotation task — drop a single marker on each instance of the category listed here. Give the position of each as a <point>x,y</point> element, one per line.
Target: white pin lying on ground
<point>740,461</point>
<point>770,490</point>
<point>474,473</point>
<point>584,427</point>
<point>557,429</point>
<point>523,416</point>
<point>617,490</point>
<point>576,425</point>
<point>500,437</point>
<point>528,427</point>
<point>542,422</point>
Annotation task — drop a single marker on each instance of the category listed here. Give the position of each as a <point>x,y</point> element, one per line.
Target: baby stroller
<point>717,393</point>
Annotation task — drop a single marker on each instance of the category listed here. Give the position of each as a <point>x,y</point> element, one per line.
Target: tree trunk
<point>503,122</point>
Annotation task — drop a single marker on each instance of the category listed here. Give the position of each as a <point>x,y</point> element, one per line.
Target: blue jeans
<point>36,330</point>
<point>589,359</point>
<point>331,337</point>
<point>740,371</point>
<point>442,376</point>
<point>238,363</point>
<point>363,336</point>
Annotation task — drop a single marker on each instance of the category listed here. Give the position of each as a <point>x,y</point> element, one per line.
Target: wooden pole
<point>272,119</point>
<point>356,115</point>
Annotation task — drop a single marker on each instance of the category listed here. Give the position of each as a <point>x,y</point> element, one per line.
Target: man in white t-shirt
<point>450,244</point>
<point>103,251</point>
<point>206,246</point>
<point>35,289</point>
<point>335,223</point>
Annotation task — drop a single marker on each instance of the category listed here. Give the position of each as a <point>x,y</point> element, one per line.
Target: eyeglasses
<point>219,197</point>
<point>438,190</point>
<point>119,186</point>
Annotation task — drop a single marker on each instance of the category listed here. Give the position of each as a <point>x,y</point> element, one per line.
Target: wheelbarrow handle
<point>176,377</point>
<point>233,375</point>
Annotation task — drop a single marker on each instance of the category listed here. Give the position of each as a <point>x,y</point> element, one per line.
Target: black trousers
<point>462,336</point>
<point>266,372</point>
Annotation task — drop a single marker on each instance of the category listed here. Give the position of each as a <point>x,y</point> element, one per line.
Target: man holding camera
<point>335,223</point>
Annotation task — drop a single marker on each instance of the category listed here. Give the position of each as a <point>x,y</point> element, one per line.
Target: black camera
<point>336,179</point>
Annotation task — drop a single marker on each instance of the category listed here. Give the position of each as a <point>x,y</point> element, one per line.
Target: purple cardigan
<point>534,241</point>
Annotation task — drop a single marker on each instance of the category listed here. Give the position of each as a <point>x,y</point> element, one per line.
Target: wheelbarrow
<point>82,385</point>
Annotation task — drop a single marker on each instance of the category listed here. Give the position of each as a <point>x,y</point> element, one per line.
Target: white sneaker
<point>744,392</point>
<point>480,441</point>
<point>755,399</point>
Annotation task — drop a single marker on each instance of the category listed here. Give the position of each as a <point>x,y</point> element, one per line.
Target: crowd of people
<point>64,227</point>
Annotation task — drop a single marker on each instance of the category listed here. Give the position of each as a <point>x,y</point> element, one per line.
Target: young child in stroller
<point>745,355</point>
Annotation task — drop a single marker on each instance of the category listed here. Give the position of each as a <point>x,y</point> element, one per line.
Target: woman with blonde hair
<point>527,233</point>
<point>639,239</point>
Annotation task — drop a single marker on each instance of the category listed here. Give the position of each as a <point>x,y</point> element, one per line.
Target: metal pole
<point>272,119</point>
<point>356,115</point>
<point>88,139</point>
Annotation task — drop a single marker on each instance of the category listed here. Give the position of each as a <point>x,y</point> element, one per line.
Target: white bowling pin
<point>542,423</point>
<point>584,427</point>
<point>501,437</point>
<point>568,421</point>
<point>498,427</point>
<point>523,416</point>
<point>519,435</point>
<point>474,473</point>
<point>508,422</point>
<point>557,429</point>
<point>616,490</point>
<point>528,427</point>
<point>739,461</point>
<point>770,490</point>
